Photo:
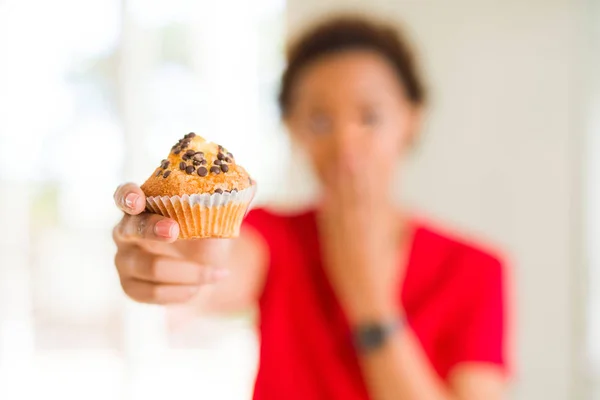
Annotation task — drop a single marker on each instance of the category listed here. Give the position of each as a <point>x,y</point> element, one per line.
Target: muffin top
<point>196,166</point>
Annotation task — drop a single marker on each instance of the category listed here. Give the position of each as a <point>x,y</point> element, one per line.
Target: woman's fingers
<point>130,199</point>
<point>149,278</point>
<point>146,226</point>
<point>150,293</point>
<point>135,263</point>
<point>138,225</point>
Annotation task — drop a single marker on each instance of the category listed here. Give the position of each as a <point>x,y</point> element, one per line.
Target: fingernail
<point>164,228</point>
<point>130,200</point>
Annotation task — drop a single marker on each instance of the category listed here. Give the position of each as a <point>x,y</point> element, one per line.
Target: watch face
<point>370,337</point>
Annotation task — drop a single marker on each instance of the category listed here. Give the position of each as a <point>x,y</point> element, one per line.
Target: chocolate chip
<point>189,169</point>
<point>198,157</point>
<point>190,153</point>
<point>203,162</point>
<point>217,162</point>
<point>166,174</point>
<point>184,145</point>
<point>158,172</point>
<point>199,153</point>
<point>190,135</point>
<point>229,155</point>
<point>224,168</point>
<point>182,165</point>
<point>165,164</point>
<point>202,171</point>
<point>228,159</point>
<point>215,170</point>
<point>185,157</point>
<point>177,151</point>
<point>196,163</point>
<point>220,191</point>
<point>221,156</point>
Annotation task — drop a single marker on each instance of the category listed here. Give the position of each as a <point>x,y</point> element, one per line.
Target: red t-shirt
<point>452,296</point>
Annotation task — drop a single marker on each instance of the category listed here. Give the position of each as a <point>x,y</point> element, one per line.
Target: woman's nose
<point>347,144</point>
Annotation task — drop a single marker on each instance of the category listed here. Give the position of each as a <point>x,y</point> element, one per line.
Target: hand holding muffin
<point>198,192</point>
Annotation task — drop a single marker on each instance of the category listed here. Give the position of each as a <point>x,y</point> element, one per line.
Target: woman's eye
<point>370,119</point>
<point>320,124</point>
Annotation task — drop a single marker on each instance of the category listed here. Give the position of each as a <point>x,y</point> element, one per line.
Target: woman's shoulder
<point>457,252</point>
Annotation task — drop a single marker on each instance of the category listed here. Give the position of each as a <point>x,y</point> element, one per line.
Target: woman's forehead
<point>356,81</point>
<point>348,69</point>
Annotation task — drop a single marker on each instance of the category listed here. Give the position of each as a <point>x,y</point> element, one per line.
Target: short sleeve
<point>480,327</point>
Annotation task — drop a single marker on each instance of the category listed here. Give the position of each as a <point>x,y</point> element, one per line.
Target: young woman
<point>357,300</point>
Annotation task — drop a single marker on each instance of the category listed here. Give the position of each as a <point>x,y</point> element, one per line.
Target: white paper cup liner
<point>205,215</point>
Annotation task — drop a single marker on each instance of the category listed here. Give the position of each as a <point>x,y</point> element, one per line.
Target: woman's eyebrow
<point>370,105</point>
<point>318,110</point>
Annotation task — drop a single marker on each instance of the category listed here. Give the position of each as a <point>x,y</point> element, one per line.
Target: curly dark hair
<point>352,33</point>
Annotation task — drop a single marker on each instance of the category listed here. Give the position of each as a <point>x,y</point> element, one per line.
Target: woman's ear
<point>287,123</point>
<point>415,122</point>
<point>288,126</point>
<point>291,128</point>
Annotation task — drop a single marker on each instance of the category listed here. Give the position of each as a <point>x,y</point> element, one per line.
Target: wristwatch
<point>370,336</point>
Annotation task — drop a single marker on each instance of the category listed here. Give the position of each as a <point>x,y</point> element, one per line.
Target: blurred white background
<point>93,92</point>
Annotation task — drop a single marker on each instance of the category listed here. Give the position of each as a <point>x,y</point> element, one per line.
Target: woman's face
<point>350,106</point>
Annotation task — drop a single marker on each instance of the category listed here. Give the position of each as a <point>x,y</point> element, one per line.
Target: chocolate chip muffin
<point>201,187</point>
